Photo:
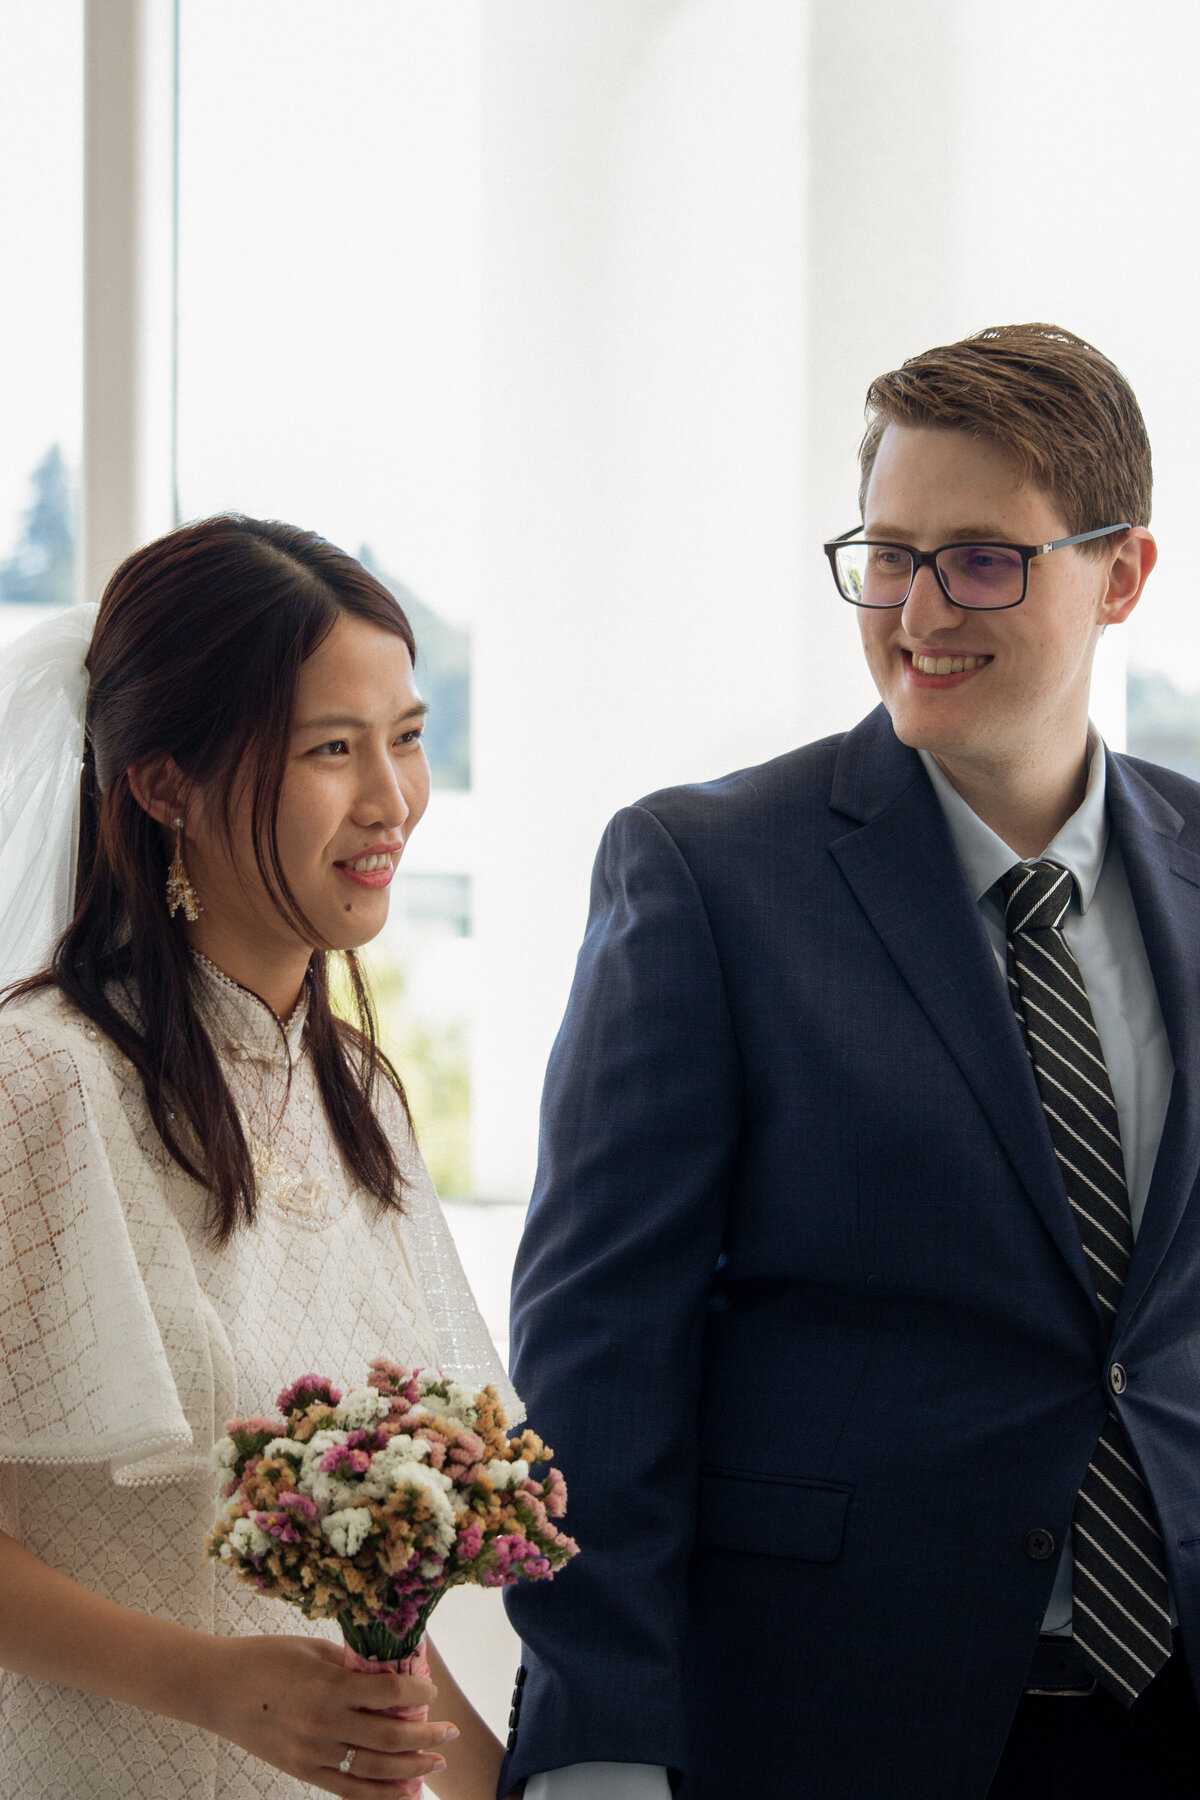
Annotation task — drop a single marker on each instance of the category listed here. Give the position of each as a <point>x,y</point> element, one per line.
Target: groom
<point>860,1293</point>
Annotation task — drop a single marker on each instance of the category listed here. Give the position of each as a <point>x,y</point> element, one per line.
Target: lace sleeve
<point>86,1376</point>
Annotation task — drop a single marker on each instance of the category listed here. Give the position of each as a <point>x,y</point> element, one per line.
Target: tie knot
<point>1036,896</point>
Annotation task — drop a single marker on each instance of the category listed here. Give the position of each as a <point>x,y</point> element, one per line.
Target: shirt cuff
<point>600,1781</point>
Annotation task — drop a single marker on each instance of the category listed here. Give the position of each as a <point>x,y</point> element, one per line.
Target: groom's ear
<point>158,785</point>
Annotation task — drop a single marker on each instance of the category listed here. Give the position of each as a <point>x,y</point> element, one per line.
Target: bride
<point>208,1181</point>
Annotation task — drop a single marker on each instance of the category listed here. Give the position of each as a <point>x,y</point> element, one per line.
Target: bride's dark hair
<point>196,655</point>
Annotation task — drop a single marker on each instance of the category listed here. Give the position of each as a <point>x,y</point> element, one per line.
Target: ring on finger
<point>347,1762</point>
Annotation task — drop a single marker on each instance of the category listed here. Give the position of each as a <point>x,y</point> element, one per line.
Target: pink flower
<point>256,1427</point>
<point>470,1540</point>
<point>304,1390</point>
<point>517,1557</point>
<point>300,1503</point>
<point>340,1459</point>
<point>278,1525</point>
<point>554,1493</point>
<point>399,1385</point>
<point>437,1446</point>
<point>534,1502</point>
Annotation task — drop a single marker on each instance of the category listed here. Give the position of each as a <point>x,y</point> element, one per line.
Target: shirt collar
<point>1078,846</point>
<point>240,1022</point>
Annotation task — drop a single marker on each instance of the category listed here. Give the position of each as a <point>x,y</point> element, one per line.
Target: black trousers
<point>1096,1749</point>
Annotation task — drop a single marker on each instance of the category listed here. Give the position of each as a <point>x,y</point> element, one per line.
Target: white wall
<point>643,316</point>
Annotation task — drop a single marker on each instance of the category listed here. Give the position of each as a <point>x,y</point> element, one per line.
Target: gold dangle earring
<point>180,891</point>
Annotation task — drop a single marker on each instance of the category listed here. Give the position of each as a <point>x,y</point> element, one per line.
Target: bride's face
<point>355,785</point>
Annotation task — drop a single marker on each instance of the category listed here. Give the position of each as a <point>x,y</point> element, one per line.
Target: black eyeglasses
<point>978,577</point>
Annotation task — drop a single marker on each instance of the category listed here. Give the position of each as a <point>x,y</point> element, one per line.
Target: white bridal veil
<point>43,687</point>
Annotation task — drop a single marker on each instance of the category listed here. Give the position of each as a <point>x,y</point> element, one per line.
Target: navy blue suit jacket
<point>801,1305</point>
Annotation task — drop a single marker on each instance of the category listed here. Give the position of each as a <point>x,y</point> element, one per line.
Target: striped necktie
<point>1121,1621</point>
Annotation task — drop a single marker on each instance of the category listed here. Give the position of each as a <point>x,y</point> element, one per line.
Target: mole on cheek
<point>349,906</point>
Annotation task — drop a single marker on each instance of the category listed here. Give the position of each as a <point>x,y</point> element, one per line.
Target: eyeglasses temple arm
<point>1082,537</point>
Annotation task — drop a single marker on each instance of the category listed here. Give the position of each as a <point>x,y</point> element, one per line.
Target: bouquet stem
<point>376,1643</point>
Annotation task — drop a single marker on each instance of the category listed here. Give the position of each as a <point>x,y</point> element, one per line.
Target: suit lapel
<point>1164,880</point>
<point>901,864</point>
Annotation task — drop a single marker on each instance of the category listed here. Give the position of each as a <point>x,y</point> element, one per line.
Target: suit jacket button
<point>513,1716</point>
<point>1117,1379</point>
<point>512,1741</point>
<point>1039,1544</point>
<point>522,1672</point>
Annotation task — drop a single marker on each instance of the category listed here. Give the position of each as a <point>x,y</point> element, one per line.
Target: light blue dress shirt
<point>1106,940</point>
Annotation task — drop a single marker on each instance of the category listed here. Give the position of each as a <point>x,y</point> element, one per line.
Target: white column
<point>129,284</point>
<point>889,209</point>
<point>643,326</point>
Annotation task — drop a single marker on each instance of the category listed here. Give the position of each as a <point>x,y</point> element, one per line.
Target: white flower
<point>389,1473</point>
<point>330,1493</point>
<point>506,1474</point>
<point>403,1448</point>
<point>388,1465</point>
<point>437,1489</point>
<point>248,1539</point>
<point>361,1409</point>
<point>347,1530</point>
<point>227,1510</point>
<point>224,1456</point>
<point>285,1447</point>
<point>451,1399</point>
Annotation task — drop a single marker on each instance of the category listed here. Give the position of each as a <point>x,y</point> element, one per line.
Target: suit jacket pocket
<point>771,1515</point>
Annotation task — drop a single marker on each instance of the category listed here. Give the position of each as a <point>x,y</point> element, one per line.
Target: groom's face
<point>985,689</point>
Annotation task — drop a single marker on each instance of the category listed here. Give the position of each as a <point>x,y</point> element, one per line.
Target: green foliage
<point>444,678</point>
<point>1163,722</point>
<point>41,571</point>
<point>433,1065</point>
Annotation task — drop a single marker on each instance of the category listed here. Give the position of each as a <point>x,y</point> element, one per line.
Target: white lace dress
<point>128,1340</point>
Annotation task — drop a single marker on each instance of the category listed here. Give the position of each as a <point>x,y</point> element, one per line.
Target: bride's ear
<point>159,787</point>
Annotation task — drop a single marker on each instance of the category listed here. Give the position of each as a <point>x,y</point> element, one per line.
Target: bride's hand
<point>292,1702</point>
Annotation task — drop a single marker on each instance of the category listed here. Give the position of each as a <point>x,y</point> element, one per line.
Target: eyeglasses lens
<point>982,575</point>
<point>974,575</point>
<point>874,574</point>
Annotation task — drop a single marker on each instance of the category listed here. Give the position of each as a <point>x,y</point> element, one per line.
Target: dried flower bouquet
<point>367,1508</point>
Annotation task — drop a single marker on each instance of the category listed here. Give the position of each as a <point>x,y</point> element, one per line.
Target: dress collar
<point>1079,845</point>
<point>240,1022</point>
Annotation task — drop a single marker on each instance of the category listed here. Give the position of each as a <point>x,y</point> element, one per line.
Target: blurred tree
<point>432,1062</point>
<point>444,678</point>
<point>1163,722</point>
<point>41,571</point>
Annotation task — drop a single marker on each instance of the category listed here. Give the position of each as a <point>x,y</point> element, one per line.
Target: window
<point>41,306</point>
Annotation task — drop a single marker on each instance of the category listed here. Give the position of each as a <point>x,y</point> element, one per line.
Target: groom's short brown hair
<point>1063,411</point>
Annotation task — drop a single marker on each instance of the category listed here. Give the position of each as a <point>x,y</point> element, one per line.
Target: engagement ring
<point>347,1762</point>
